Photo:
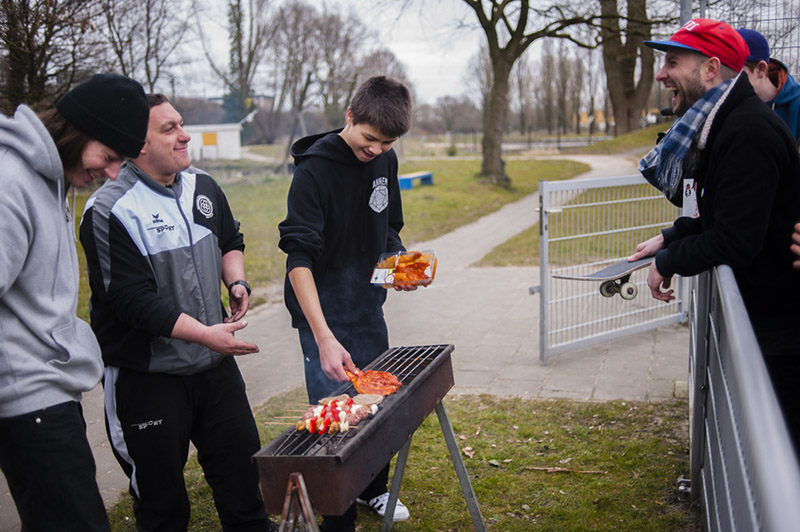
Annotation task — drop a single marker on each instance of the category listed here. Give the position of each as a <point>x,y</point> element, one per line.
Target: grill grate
<point>405,363</point>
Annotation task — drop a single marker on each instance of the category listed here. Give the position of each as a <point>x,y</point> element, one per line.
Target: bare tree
<point>383,62</point>
<point>624,60</point>
<point>251,29</point>
<point>478,80</point>
<point>341,40</point>
<point>296,57</point>
<point>447,108</point>
<point>564,80</point>
<point>576,91</point>
<point>546,88</point>
<point>505,25</point>
<point>457,113</point>
<point>49,46</point>
<point>145,36</point>
<point>426,119</point>
<point>523,92</point>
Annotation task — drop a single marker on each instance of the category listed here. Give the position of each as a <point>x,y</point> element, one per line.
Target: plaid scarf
<point>664,166</point>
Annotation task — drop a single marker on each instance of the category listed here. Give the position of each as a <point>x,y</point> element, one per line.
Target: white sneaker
<point>379,505</point>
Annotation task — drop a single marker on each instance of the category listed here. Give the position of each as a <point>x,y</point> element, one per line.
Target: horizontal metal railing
<point>743,466</point>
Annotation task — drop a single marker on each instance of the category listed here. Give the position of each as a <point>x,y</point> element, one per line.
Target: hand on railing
<point>796,246</point>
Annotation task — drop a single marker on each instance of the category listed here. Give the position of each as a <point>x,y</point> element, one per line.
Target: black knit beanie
<point>111,109</point>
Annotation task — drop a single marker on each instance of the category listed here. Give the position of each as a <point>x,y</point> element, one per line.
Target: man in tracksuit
<point>158,241</point>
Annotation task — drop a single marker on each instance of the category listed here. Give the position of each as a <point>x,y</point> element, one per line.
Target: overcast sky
<point>432,43</point>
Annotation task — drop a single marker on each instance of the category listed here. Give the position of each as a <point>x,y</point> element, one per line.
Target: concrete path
<point>486,313</point>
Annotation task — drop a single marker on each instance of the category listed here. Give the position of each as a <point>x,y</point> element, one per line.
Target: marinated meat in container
<point>405,269</point>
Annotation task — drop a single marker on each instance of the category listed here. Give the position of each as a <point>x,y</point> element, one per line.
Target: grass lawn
<point>550,465</point>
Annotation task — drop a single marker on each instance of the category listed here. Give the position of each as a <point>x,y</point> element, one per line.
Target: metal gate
<point>584,225</point>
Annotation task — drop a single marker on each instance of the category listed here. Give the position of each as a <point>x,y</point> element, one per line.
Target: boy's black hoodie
<point>342,214</point>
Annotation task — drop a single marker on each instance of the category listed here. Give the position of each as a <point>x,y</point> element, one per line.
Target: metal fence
<point>777,20</point>
<point>584,225</point>
<point>743,467</point>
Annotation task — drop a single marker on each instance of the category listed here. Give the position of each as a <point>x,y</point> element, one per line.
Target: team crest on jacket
<point>379,199</point>
<point>204,205</point>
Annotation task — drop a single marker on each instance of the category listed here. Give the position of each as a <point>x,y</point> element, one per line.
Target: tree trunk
<point>628,98</point>
<point>493,167</point>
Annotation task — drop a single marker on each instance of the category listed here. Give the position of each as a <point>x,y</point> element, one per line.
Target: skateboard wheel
<point>608,289</point>
<point>628,291</point>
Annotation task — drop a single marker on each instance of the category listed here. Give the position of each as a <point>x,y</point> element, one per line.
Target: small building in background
<point>215,141</point>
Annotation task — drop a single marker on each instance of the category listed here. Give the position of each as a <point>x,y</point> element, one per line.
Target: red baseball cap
<point>711,38</point>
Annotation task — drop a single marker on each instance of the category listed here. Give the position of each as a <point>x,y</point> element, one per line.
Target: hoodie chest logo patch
<point>204,205</point>
<point>379,199</point>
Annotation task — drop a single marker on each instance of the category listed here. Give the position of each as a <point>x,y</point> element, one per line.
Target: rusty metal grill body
<point>337,468</point>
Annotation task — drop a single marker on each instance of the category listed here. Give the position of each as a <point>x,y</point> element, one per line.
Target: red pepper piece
<point>325,424</point>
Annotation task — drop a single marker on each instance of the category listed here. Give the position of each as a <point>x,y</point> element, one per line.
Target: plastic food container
<point>405,269</point>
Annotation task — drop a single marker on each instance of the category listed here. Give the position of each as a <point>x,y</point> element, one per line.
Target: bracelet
<point>243,283</point>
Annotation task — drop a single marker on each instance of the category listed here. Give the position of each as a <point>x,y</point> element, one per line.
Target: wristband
<point>243,283</point>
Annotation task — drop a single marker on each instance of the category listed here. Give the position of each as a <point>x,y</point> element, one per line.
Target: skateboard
<point>614,279</point>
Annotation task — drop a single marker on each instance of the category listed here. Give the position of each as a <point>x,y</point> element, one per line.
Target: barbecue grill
<point>337,467</point>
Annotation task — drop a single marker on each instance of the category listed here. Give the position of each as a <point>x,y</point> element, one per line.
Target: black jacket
<point>342,214</point>
<point>748,190</point>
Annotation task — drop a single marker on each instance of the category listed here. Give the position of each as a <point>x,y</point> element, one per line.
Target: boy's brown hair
<point>385,104</point>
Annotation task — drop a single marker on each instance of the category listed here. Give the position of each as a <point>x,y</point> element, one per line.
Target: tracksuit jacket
<point>342,214</point>
<point>48,355</point>
<point>748,190</point>
<point>154,252</point>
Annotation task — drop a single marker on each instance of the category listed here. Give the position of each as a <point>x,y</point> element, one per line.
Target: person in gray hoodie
<point>48,356</point>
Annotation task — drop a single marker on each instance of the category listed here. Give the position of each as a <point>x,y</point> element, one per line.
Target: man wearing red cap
<point>746,170</point>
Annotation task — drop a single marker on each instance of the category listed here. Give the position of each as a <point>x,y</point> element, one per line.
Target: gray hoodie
<point>47,355</point>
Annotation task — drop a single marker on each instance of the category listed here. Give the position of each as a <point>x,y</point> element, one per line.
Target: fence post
<point>698,362</point>
<point>686,11</point>
<point>544,269</point>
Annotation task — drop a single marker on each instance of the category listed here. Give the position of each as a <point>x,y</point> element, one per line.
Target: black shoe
<point>326,527</point>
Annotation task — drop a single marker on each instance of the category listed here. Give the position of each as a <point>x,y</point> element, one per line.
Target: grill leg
<point>397,479</point>
<point>461,470</point>
<point>297,506</point>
